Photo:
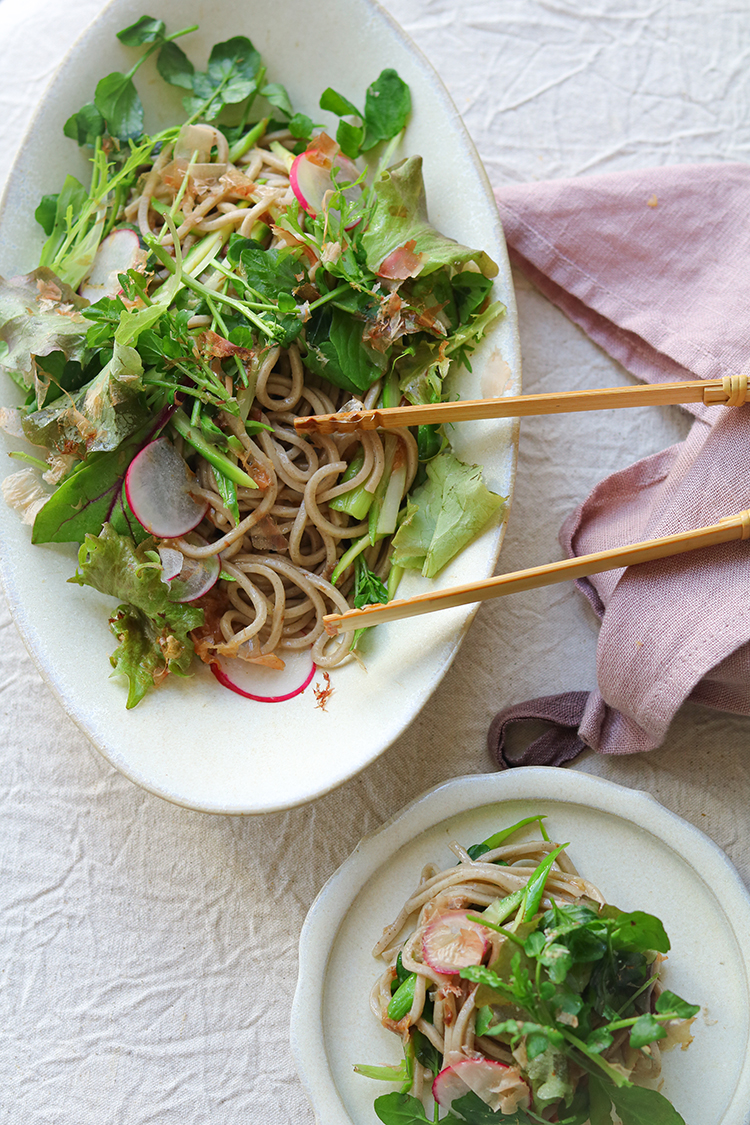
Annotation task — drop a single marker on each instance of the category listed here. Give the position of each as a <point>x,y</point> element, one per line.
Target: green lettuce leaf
<point>444,514</point>
<point>400,237</point>
<point>102,414</point>
<point>153,632</point>
<point>421,371</point>
<point>39,315</point>
<point>549,1075</point>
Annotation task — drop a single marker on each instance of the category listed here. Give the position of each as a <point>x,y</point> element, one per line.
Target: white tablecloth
<point>150,952</point>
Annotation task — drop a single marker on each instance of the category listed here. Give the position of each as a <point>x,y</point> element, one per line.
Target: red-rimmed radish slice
<point>158,487</point>
<point>263,684</point>
<point>195,579</point>
<point>499,1086</point>
<point>171,563</point>
<point>314,173</point>
<point>118,252</point>
<point>452,941</point>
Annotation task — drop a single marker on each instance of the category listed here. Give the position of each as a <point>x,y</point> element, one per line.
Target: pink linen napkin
<point>653,265</point>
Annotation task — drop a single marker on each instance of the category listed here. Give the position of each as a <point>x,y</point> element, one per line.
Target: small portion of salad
<point>521,997</point>
<point>214,281</point>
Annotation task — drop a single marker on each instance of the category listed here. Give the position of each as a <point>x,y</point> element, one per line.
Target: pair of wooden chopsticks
<point>731,391</point>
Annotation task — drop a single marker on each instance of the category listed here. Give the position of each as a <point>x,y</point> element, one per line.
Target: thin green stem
<point>250,139</point>
<point>330,296</point>
<point>195,438</point>
<point>157,46</point>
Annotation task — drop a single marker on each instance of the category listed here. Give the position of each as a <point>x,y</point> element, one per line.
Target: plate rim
<point>442,802</point>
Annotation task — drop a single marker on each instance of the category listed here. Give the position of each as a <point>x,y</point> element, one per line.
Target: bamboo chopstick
<point>730,391</point>
<point>726,530</point>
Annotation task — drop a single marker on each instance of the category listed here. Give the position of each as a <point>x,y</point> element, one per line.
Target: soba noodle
<point>281,554</point>
<point>448,906</point>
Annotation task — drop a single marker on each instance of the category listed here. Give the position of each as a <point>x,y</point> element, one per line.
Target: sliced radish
<point>499,1086</point>
<point>264,684</point>
<point>158,488</point>
<point>118,252</point>
<point>195,579</point>
<point>319,170</point>
<point>171,563</point>
<point>452,941</point>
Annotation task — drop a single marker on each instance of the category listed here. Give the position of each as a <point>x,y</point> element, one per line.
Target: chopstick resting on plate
<point>730,391</point>
<point>726,530</point>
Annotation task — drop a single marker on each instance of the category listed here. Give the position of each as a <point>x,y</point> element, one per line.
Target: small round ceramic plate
<point>192,741</point>
<point>640,855</point>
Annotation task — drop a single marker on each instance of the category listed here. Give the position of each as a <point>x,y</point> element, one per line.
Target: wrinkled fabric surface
<point>651,265</point>
<point>647,262</point>
<point>149,952</point>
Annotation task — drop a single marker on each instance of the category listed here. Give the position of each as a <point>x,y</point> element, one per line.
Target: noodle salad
<point>215,281</point>
<point>521,997</point>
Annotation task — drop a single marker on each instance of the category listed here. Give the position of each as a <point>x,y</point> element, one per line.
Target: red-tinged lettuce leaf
<point>94,495</point>
<point>153,632</point>
<point>101,415</point>
<point>400,241</point>
<point>39,314</point>
<point>444,515</point>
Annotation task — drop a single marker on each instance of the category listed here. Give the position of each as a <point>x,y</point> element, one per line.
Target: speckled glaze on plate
<point>192,742</point>
<point>640,855</point>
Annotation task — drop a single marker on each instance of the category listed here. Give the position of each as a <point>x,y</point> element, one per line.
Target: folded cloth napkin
<point>653,265</point>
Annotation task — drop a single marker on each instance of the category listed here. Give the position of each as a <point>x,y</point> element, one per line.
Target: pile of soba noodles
<point>516,989</point>
<point>281,553</point>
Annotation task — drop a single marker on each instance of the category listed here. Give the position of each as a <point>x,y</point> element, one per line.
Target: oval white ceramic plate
<point>193,742</point>
<point>640,855</point>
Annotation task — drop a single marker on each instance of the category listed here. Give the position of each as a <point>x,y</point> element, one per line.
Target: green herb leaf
<point>350,138</point>
<point>46,211</point>
<point>118,102</point>
<point>333,102</point>
<point>387,107</point>
<point>84,127</point>
<point>144,30</point>
<point>400,1109</point>
<point>645,1030</point>
<point>234,65</point>
<point>600,1103</point>
<point>640,931</point>
<point>301,126</point>
<point>174,66</point>
<point>336,352</point>
<point>276,94</point>
<point>599,1040</point>
<point>638,1105</point>
<point>669,1002</point>
<point>476,1112</point>
<point>368,589</point>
